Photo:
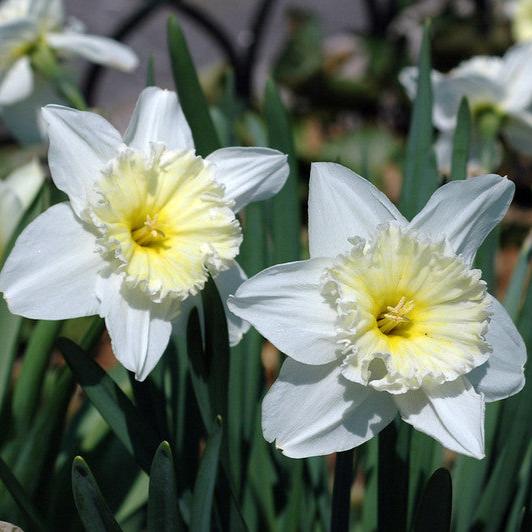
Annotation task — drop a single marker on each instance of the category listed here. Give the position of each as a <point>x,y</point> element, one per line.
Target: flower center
<point>393,317</point>
<point>149,233</point>
<point>408,313</point>
<point>164,221</point>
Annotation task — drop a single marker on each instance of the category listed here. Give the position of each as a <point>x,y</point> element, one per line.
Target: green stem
<point>341,497</point>
<point>394,445</point>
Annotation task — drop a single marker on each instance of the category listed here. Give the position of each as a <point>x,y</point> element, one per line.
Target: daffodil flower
<point>386,316</point>
<point>17,191</point>
<point>27,25</point>
<point>148,220</point>
<point>499,91</point>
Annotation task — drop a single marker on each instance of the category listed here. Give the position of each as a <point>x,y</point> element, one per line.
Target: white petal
<point>452,413</point>
<point>517,77</point>
<point>465,212</point>
<point>26,182</point>
<point>158,117</point>
<point>228,283</point>
<point>314,410</point>
<point>285,305</point>
<point>139,329</point>
<point>50,10</point>
<point>17,83</point>
<point>95,48</point>
<point>342,205</point>
<point>81,144</point>
<point>250,174</point>
<point>52,270</point>
<point>517,131</point>
<point>503,374</point>
<point>11,211</point>
<point>478,79</point>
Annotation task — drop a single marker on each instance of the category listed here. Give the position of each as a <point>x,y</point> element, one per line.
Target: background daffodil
<point>27,27</point>
<point>499,91</point>
<point>386,316</point>
<point>147,222</point>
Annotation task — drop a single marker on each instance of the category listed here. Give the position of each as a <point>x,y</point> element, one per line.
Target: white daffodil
<point>17,191</point>
<point>387,315</point>
<point>28,25</point>
<point>147,222</point>
<point>499,91</point>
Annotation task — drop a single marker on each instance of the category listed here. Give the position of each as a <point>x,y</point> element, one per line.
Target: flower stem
<point>341,497</point>
<point>394,445</point>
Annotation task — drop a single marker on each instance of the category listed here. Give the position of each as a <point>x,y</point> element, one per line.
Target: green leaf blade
<point>163,507</point>
<point>92,508</point>
<point>193,101</point>
<point>420,174</point>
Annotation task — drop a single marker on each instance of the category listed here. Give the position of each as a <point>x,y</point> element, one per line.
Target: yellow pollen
<point>149,232</point>
<point>394,316</point>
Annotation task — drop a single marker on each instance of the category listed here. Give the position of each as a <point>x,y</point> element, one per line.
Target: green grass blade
<point>286,217</point>
<point>21,497</point>
<point>10,324</point>
<point>422,449</point>
<point>461,142</point>
<point>198,369</point>
<point>150,72</point>
<point>163,506</point>
<point>29,384</point>
<point>43,439</point>
<point>92,508</point>
<point>516,288</point>
<point>132,430</point>
<point>9,332</point>
<point>420,174</point>
<point>202,498</point>
<point>500,487</point>
<point>193,101</point>
<point>435,509</point>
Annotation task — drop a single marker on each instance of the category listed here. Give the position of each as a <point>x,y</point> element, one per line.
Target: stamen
<point>395,316</point>
<point>149,232</point>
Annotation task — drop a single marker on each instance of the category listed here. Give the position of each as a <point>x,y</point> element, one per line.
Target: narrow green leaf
<point>286,217</point>
<point>498,492</point>
<point>422,449</point>
<point>37,445</point>
<point>35,361</point>
<point>485,258</point>
<point>202,498</point>
<point>434,513</point>
<point>371,469</point>
<point>216,348</point>
<point>9,332</point>
<point>150,72</point>
<point>163,505</point>
<point>420,174</point>
<point>193,101</point>
<point>92,508</point>
<point>198,369</point>
<point>132,430</point>
<point>262,477</point>
<point>461,142</point>
<point>10,324</point>
<point>516,289</point>
<point>21,497</point>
